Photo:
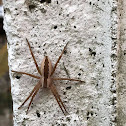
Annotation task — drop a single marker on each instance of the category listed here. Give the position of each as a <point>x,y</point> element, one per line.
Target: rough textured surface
<point>90,27</point>
<point>121,120</point>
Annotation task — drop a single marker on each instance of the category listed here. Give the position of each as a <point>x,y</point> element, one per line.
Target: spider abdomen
<point>46,69</point>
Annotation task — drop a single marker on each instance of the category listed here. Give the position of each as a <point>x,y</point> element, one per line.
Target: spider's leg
<point>58,60</point>
<point>34,89</point>
<point>38,87</point>
<point>33,57</point>
<point>58,99</point>
<point>31,75</point>
<point>67,79</point>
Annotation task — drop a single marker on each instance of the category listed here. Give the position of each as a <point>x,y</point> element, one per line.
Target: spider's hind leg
<point>58,99</point>
<point>38,87</point>
<point>34,89</point>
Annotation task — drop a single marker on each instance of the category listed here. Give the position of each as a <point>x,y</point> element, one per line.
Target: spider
<point>45,79</point>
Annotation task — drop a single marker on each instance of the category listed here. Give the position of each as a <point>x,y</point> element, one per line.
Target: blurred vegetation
<point>5,102</point>
<point>3,60</point>
<point>6,115</point>
<point>5,88</point>
<point>5,95</point>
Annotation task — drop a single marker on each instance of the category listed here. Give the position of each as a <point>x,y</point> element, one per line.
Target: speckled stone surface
<point>90,27</point>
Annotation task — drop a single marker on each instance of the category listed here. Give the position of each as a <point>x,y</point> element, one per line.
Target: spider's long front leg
<point>58,60</point>
<point>34,89</point>
<point>33,57</point>
<point>59,101</point>
<point>31,75</point>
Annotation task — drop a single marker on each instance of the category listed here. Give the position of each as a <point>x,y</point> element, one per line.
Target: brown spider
<point>45,80</point>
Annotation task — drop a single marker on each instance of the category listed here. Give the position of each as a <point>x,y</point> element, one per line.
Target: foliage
<point>3,60</point>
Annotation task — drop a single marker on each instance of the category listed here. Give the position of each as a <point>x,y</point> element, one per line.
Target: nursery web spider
<point>45,79</point>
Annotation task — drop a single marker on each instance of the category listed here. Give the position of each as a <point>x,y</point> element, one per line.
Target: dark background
<point>6,115</point>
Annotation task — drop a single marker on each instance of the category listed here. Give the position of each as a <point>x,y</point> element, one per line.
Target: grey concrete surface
<point>90,27</point>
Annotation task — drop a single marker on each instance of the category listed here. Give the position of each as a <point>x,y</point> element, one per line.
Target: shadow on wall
<point>6,115</point>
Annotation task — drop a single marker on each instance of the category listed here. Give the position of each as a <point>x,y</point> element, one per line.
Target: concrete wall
<point>90,27</point>
<point>121,90</point>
